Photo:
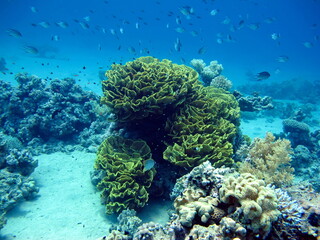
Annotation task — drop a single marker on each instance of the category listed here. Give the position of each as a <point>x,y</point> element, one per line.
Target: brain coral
<point>147,86</point>
<point>203,129</point>
<point>257,202</point>
<point>126,182</point>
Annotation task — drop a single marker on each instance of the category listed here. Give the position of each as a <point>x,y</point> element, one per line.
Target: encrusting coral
<point>252,200</point>
<point>126,182</point>
<point>269,159</point>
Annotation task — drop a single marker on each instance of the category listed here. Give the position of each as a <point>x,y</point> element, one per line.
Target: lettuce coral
<point>126,182</point>
<point>269,159</point>
<point>256,202</point>
<point>147,87</point>
<point>203,129</point>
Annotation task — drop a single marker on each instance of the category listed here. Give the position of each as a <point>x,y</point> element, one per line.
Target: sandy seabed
<point>68,205</point>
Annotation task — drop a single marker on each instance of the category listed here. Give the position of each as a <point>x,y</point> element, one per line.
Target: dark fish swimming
<point>262,76</point>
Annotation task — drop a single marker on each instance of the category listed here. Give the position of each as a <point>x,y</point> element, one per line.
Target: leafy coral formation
<point>203,129</point>
<point>269,159</point>
<point>126,182</point>
<point>257,202</point>
<point>147,87</point>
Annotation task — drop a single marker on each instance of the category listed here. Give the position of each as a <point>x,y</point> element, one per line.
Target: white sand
<point>260,126</point>
<point>68,206</point>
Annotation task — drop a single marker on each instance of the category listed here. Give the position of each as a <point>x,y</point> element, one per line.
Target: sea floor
<point>68,206</point>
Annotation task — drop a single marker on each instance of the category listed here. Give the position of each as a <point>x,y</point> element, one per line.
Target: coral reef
<point>297,132</point>
<point>203,130</point>
<point>207,73</point>
<point>253,103</point>
<point>203,177</point>
<point>221,82</point>
<point>269,159</point>
<point>194,205</point>
<point>291,89</point>
<point>306,164</point>
<point>15,169</point>
<point>126,182</point>
<point>37,111</point>
<point>254,202</point>
<point>147,87</point>
<point>128,223</point>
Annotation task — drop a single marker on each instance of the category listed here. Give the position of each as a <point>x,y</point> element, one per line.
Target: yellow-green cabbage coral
<point>203,129</point>
<point>147,87</point>
<point>126,182</point>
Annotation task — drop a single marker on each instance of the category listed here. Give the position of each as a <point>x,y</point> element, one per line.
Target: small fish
<point>137,25</point>
<point>62,24</point>
<point>86,18</point>
<point>270,20</point>
<point>275,36</point>
<point>226,20</point>
<point>262,76</point>
<point>214,12</point>
<point>187,11</point>
<point>44,24</point>
<point>177,45</point>
<point>178,20</point>
<point>282,59</point>
<point>219,40</point>
<point>31,49</point>
<point>180,30</point>
<point>112,31</point>
<point>132,50</point>
<point>55,38</point>
<point>194,33</point>
<point>148,164</point>
<point>121,30</point>
<point>33,9</point>
<point>14,33</point>
<point>84,25</point>
<point>308,44</point>
<point>241,24</point>
<point>202,50</point>
<point>254,26</point>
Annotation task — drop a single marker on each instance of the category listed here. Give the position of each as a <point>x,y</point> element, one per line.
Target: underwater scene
<point>160,120</point>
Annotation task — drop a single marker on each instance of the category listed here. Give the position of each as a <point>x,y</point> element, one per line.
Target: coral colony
<point>222,184</point>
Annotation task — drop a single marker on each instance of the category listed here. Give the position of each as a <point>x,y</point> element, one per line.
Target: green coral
<point>147,87</point>
<point>126,182</point>
<point>203,129</point>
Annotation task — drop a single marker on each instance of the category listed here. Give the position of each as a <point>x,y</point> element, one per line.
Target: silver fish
<point>44,24</point>
<point>84,25</point>
<point>180,30</point>
<point>30,49</point>
<point>33,9</point>
<point>308,44</point>
<point>177,45</point>
<point>282,59</point>
<point>62,24</point>
<point>14,33</point>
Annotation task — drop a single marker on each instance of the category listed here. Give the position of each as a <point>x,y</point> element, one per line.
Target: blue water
<point>80,38</point>
<point>149,28</point>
